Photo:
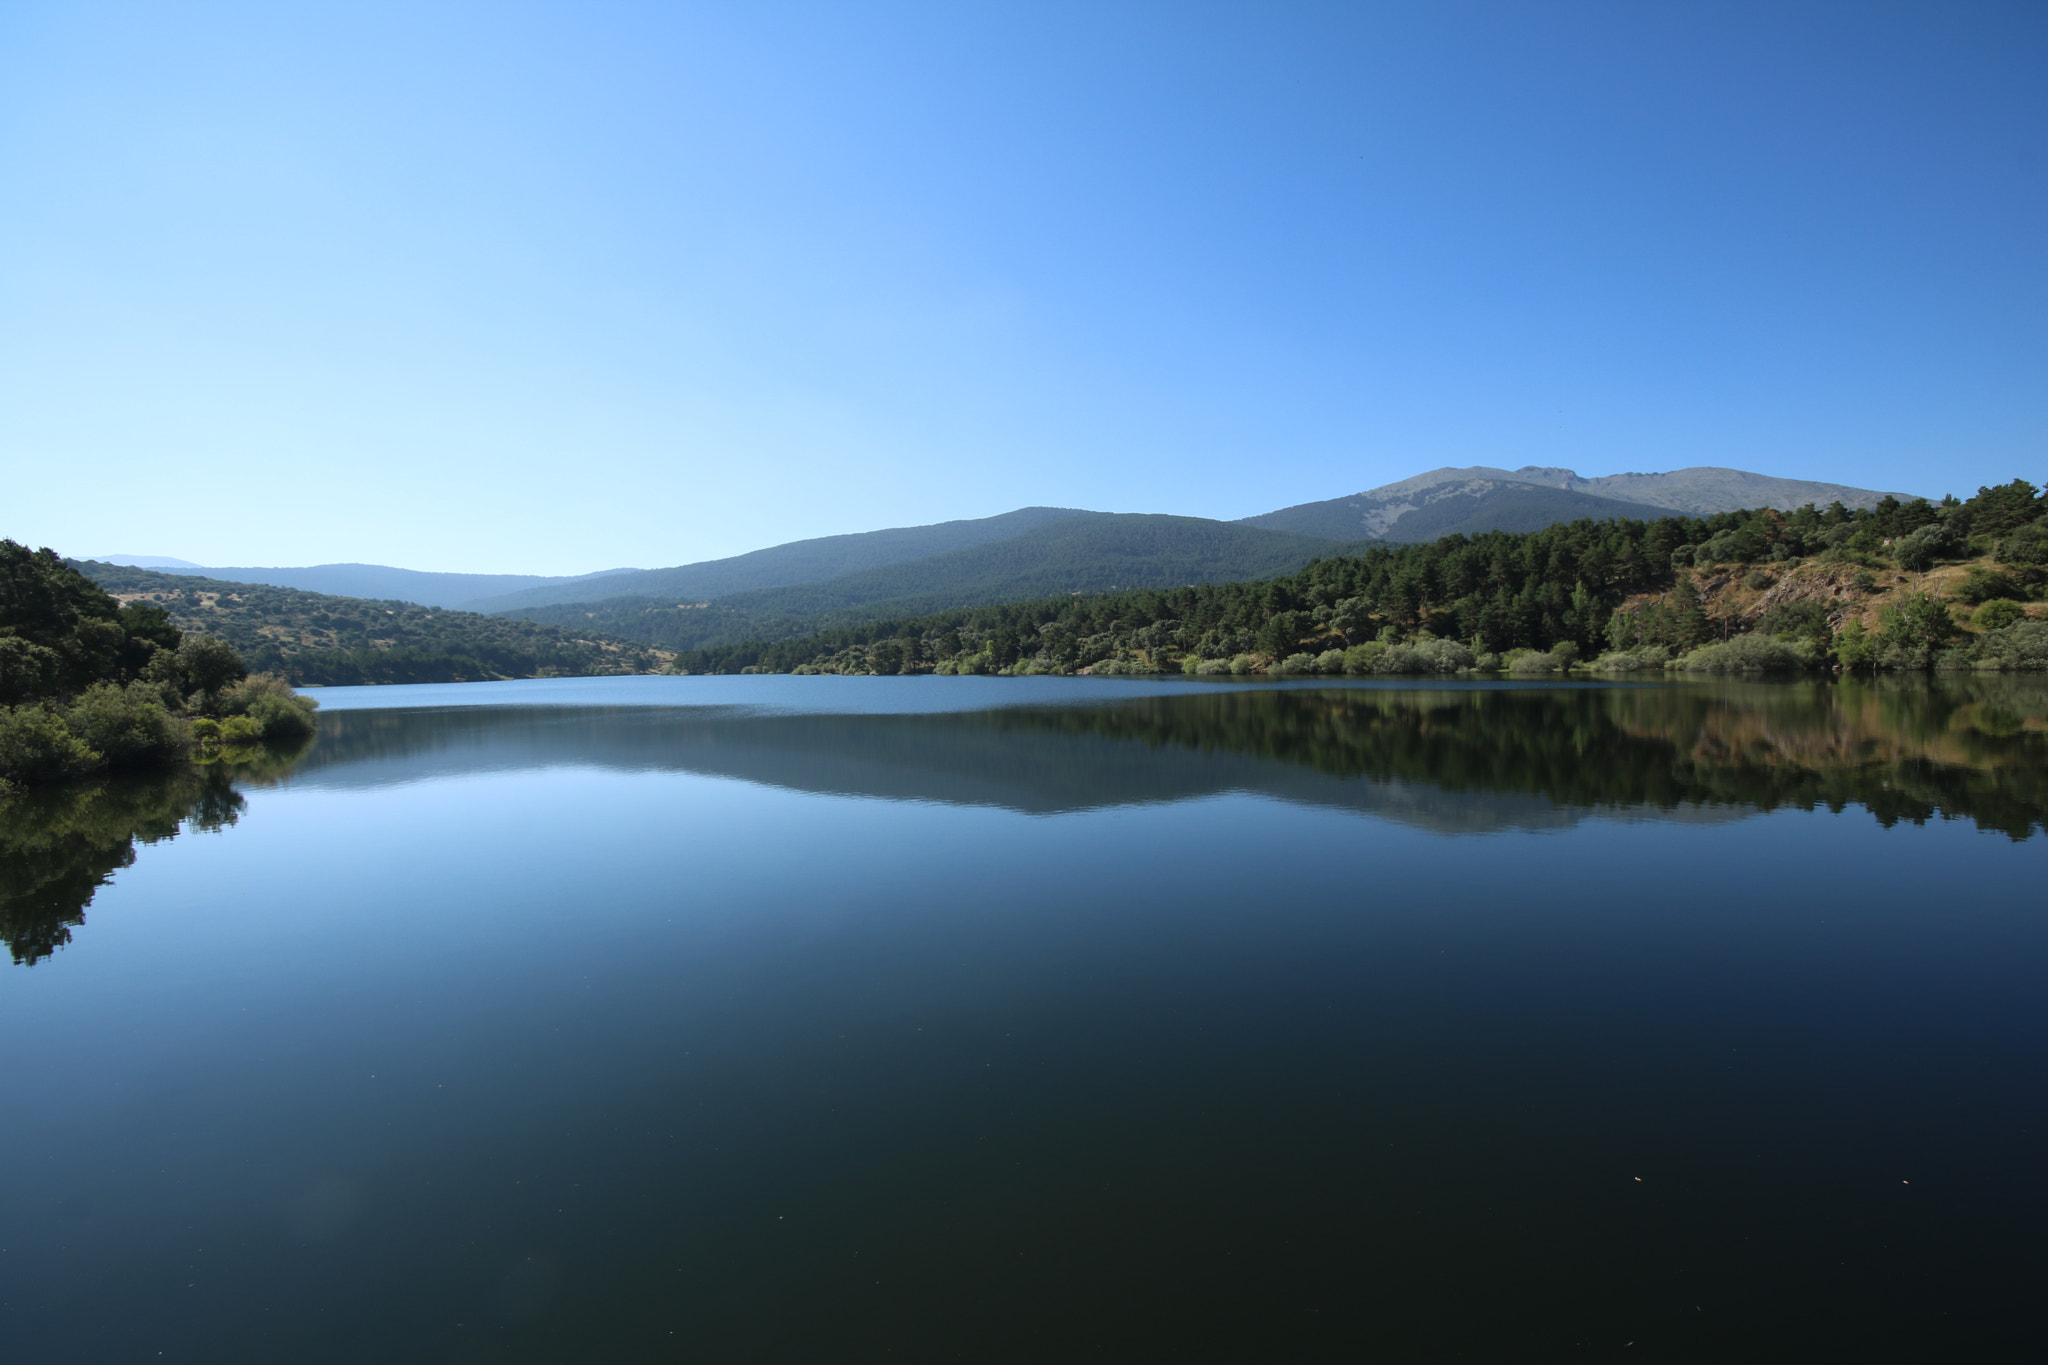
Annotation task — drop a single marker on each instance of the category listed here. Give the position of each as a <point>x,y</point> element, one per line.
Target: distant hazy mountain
<point>378,582</point>
<point>146,561</point>
<point>1469,501</point>
<point>1085,552</point>
<point>800,561</point>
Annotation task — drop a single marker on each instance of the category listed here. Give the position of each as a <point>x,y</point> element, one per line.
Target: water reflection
<point>59,846</point>
<point>1456,759</point>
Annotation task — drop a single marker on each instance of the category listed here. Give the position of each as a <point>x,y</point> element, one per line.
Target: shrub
<point>2026,546</point>
<point>1426,656</point>
<point>1758,579</point>
<point>1244,663</point>
<point>1997,614</point>
<point>2021,645</point>
<point>1330,661</point>
<point>1294,663</point>
<point>37,746</point>
<point>127,726</point>
<point>1210,668</point>
<point>1982,585</point>
<point>1632,660</point>
<point>1918,551</point>
<point>1744,654</point>
<point>1364,658</point>
<point>1487,663</point>
<point>1533,661</point>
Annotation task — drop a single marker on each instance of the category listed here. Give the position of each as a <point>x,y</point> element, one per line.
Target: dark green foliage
<point>127,727</point>
<point>59,845</point>
<point>1092,552</point>
<point>88,685</point>
<point>1934,541</point>
<point>36,746</point>
<point>1997,511</point>
<point>1599,587</point>
<point>280,714</point>
<point>307,638</point>
<point>800,561</point>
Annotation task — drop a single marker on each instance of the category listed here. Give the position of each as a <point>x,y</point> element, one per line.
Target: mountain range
<point>1035,552</point>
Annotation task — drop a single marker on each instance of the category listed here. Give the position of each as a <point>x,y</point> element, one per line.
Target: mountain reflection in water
<point>1448,759</point>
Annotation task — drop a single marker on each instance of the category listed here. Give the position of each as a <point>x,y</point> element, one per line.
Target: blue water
<point>819,1019</point>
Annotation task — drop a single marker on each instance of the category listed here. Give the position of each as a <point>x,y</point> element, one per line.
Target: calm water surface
<point>819,1019</point>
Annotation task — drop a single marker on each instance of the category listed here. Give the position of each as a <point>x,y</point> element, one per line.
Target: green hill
<point>800,561</point>
<point>1902,586</point>
<point>314,638</point>
<point>386,583</point>
<point>1086,553</point>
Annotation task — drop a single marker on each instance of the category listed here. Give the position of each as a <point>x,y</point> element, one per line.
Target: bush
<point>1244,663</point>
<point>2027,546</point>
<point>1426,656</point>
<point>37,746</point>
<point>1330,661</point>
<point>127,726</point>
<point>1209,668</point>
<point>1633,660</point>
<point>2023,645</point>
<point>1293,663</point>
<point>1918,551</point>
<point>1533,661</point>
<point>270,701</point>
<point>1487,663</point>
<point>1982,585</point>
<point>1364,658</point>
<point>1997,614</point>
<point>1744,654</point>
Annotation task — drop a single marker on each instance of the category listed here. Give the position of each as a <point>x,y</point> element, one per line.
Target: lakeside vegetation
<point>310,638</point>
<point>89,685</point>
<point>1898,586</point>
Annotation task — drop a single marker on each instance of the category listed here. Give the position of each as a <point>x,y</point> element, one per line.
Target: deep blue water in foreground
<point>817,1019</point>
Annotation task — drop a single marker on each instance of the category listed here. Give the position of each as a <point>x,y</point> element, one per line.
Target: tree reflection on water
<point>59,846</point>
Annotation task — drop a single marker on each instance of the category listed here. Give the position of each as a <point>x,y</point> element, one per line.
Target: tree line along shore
<point>126,668</point>
<point>89,686</point>
<point>1899,586</point>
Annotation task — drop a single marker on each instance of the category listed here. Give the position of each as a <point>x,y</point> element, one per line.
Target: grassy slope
<point>1097,553</point>
<point>315,638</point>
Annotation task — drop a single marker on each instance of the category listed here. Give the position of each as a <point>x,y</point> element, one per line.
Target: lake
<point>935,1019</point>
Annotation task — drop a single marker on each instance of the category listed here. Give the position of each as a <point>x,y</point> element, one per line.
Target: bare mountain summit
<point>1478,499</point>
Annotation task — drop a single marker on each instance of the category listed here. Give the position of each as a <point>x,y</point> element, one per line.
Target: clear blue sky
<point>555,287</point>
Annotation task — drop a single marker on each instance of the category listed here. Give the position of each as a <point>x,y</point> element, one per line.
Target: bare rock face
<point>1481,498</point>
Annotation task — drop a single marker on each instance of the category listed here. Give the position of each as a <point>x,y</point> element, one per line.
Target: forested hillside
<point>312,638</point>
<point>1900,585</point>
<point>799,561</point>
<point>91,685</point>
<point>1095,552</point>
<point>385,583</point>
